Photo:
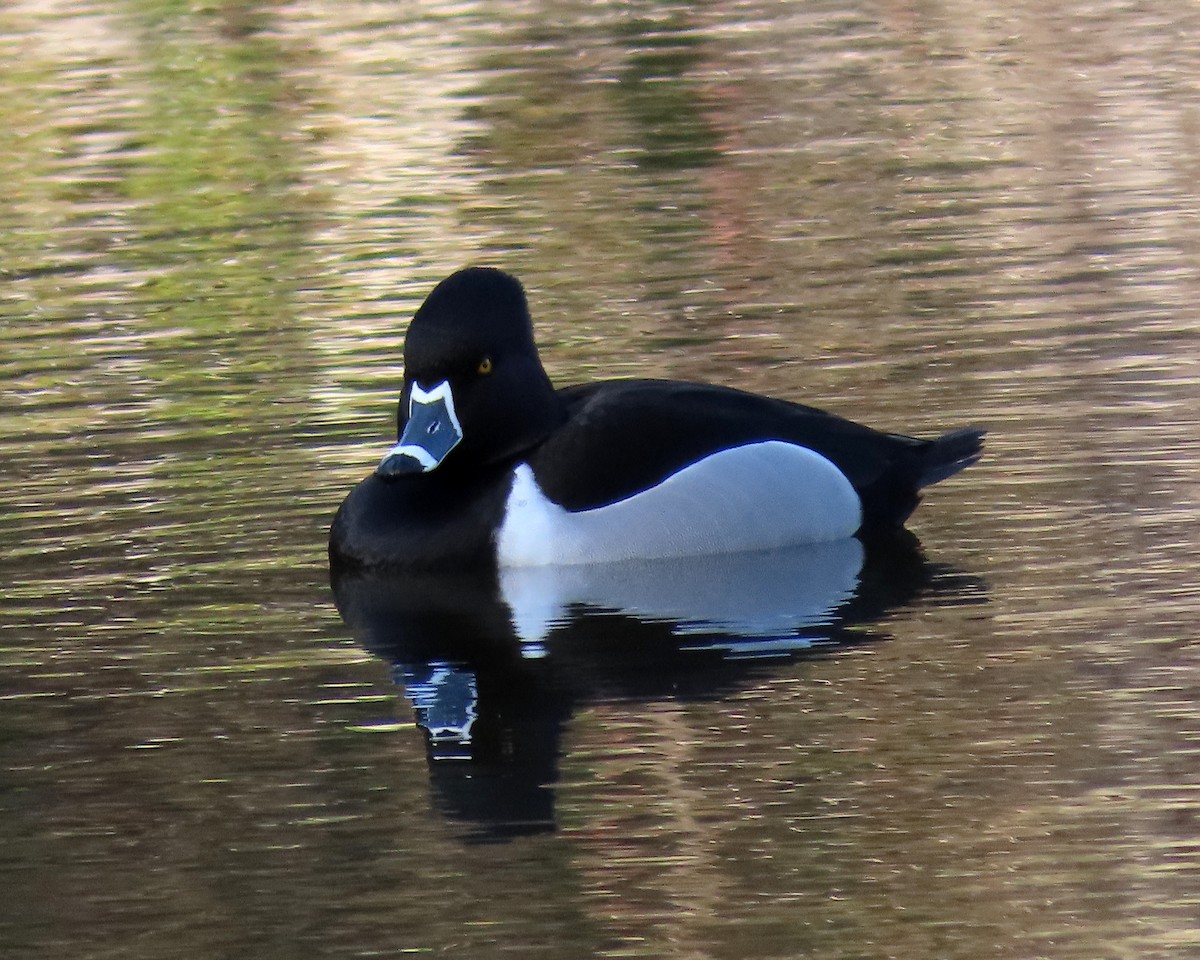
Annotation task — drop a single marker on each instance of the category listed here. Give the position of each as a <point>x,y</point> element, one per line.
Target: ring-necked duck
<point>496,466</point>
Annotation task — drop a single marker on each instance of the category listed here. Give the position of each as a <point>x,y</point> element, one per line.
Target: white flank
<point>760,496</point>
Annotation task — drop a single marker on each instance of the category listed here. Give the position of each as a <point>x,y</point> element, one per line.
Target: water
<point>218,218</point>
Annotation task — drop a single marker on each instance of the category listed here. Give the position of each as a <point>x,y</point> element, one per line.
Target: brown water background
<point>218,217</point>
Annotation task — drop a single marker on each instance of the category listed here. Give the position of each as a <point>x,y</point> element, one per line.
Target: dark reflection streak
<point>495,667</point>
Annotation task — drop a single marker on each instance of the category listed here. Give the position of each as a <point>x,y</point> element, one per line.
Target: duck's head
<point>475,393</point>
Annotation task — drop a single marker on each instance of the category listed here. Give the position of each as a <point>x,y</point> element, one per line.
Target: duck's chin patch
<point>760,496</point>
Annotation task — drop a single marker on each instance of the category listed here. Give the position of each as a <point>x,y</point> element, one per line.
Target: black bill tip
<point>397,464</point>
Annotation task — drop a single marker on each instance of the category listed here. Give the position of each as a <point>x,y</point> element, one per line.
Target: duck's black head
<point>475,393</point>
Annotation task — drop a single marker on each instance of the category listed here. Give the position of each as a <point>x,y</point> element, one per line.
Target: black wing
<point>624,436</point>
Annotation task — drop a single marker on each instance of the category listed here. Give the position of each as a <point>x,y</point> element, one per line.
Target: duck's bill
<point>431,433</point>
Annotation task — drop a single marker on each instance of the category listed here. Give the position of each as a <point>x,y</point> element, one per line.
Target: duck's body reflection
<point>495,663</point>
<point>768,595</point>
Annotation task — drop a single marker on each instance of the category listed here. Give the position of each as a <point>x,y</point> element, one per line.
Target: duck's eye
<point>485,366</point>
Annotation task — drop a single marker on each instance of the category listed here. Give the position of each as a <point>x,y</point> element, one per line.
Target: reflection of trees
<point>155,185</point>
<point>153,236</point>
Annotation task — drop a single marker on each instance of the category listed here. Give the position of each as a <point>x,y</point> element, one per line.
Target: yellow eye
<point>485,366</point>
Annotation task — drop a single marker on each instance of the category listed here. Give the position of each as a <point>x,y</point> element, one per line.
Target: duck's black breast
<point>440,520</point>
<point>622,437</point>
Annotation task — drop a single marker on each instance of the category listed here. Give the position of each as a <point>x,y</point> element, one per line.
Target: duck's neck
<point>542,413</point>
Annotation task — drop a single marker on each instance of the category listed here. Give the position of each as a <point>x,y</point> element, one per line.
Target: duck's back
<point>624,436</point>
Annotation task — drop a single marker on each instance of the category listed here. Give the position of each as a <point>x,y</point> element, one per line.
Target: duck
<point>496,467</point>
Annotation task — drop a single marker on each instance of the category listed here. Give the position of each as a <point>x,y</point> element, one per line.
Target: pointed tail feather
<point>950,453</point>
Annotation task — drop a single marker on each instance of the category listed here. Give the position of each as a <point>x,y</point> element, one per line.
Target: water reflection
<point>494,664</point>
<point>216,217</point>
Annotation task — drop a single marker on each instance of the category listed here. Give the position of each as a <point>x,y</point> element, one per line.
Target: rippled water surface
<point>218,218</point>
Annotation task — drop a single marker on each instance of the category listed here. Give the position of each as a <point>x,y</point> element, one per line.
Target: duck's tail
<point>950,453</point>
